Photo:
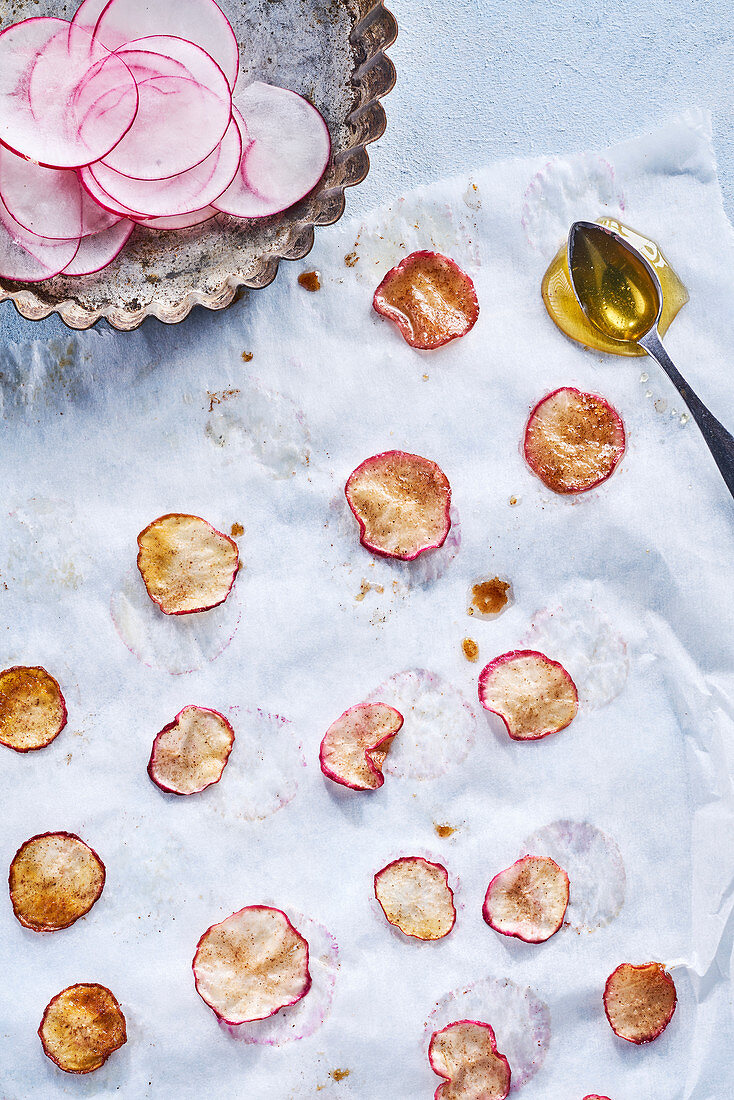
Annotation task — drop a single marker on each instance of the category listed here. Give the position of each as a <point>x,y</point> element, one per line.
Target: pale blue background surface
<point>481,80</point>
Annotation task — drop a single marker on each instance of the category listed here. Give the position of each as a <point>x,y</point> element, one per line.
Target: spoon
<point>620,294</point>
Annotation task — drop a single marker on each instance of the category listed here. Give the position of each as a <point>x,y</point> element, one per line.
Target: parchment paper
<point>256,417</point>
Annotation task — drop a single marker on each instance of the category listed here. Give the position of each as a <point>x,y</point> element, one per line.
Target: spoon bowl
<point>620,294</point>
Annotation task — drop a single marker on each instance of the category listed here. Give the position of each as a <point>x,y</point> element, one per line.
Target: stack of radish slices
<point>131,114</point>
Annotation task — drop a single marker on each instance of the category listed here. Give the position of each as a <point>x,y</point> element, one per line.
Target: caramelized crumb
<point>309,280</point>
<point>471,649</point>
<point>246,356</point>
<point>351,259</point>
<point>236,530</point>
<point>219,396</point>
<point>339,1074</point>
<point>513,501</point>
<point>490,597</point>
<point>366,587</point>
<point>444,830</point>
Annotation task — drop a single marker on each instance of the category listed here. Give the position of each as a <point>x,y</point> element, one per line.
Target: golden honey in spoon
<point>620,293</point>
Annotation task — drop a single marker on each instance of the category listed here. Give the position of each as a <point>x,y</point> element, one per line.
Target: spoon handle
<point>719,440</point>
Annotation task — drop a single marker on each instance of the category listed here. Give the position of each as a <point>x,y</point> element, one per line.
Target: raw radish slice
<point>186,564</point>
<point>191,190</point>
<point>430,299</point>
<point>191,752</point>
<point>465,1054</point>
<point>26,256</point>
<point>100,250</point>
<point>287,155</point>
<point>573,440</point>
<point>533,695</point>
<point>180,221</point>
<point>99,195</point>
<point>32,708</point>
<point>595,1096</point>
<point>416,897</point>
<point>181,118</point>
<point>55,878</point>
<point>251,965</point>
<point>402,503</point>
<point>355,746</point>
<point>200,21</point>
<point>81,1027</point>
<point>639,1001</point>
<point>528,900</point>
<point>71,73</point>
<point>49,202</point>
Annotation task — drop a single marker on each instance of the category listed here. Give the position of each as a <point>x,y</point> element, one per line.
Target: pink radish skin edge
<point>363,527</point>
<point>330,774</point>
<point>486,912</point>
<point>619,423</point>
<point>167,729</point>
<point>495,1052</point>
<point>309,980</point>
<point>429,863</point>
<point>511,656</point>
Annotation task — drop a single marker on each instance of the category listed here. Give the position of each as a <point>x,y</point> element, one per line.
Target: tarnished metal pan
<point>332,51</point>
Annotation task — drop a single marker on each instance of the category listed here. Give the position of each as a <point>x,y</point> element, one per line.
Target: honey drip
<point>567,313</point>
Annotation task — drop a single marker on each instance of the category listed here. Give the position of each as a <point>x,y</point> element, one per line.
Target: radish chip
<point>402,504</point>
<point>416,897</point>
<point>49,202</point>
<point>595,1096</point>
<point>81,1027</point>
<point>533,695</point>
<point>191,752</point>
<point>55,878</point>
<point>639,1001</point>
<point>520,1020</point>
<point>66,99</point>
<point>528,900</point>
<point>430,299</point>
<point>573,440</point>
<point>251,965</point>
<point>186,564</point>
<point>465,1054</point>
<point>100,249</point>
<point>32,708</point>
<point>286,154</point>
<point>355,746</point>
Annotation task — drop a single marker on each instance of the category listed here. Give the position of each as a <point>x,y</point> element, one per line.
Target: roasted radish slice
<point>639,1001</point>
<point>416,897</point>
<point>429,298</point>
<point>533,695</point>
<point>191,752</point>
<point>186,564</point>
<point>573,440</point>
<point>401,502</point>
<point>355,746</point>
<point>32,708</point>
<point>81,1027</point>
<point>251,965</point>
<point>55,878</point>
<point>465,1054</point>
<point>528,900</point>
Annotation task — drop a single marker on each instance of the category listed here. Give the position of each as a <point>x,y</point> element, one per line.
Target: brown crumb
<point>219,396</point>
<point>444,830</point>
<point>489,597</point>
<point>366,587</point>
<point>309,280</point>
<point>236,530</point>
<point>513,501</point>
<point>339,1074</point>
<point>470,648</point>
<point>351,259</point>
<point>246,356</point>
